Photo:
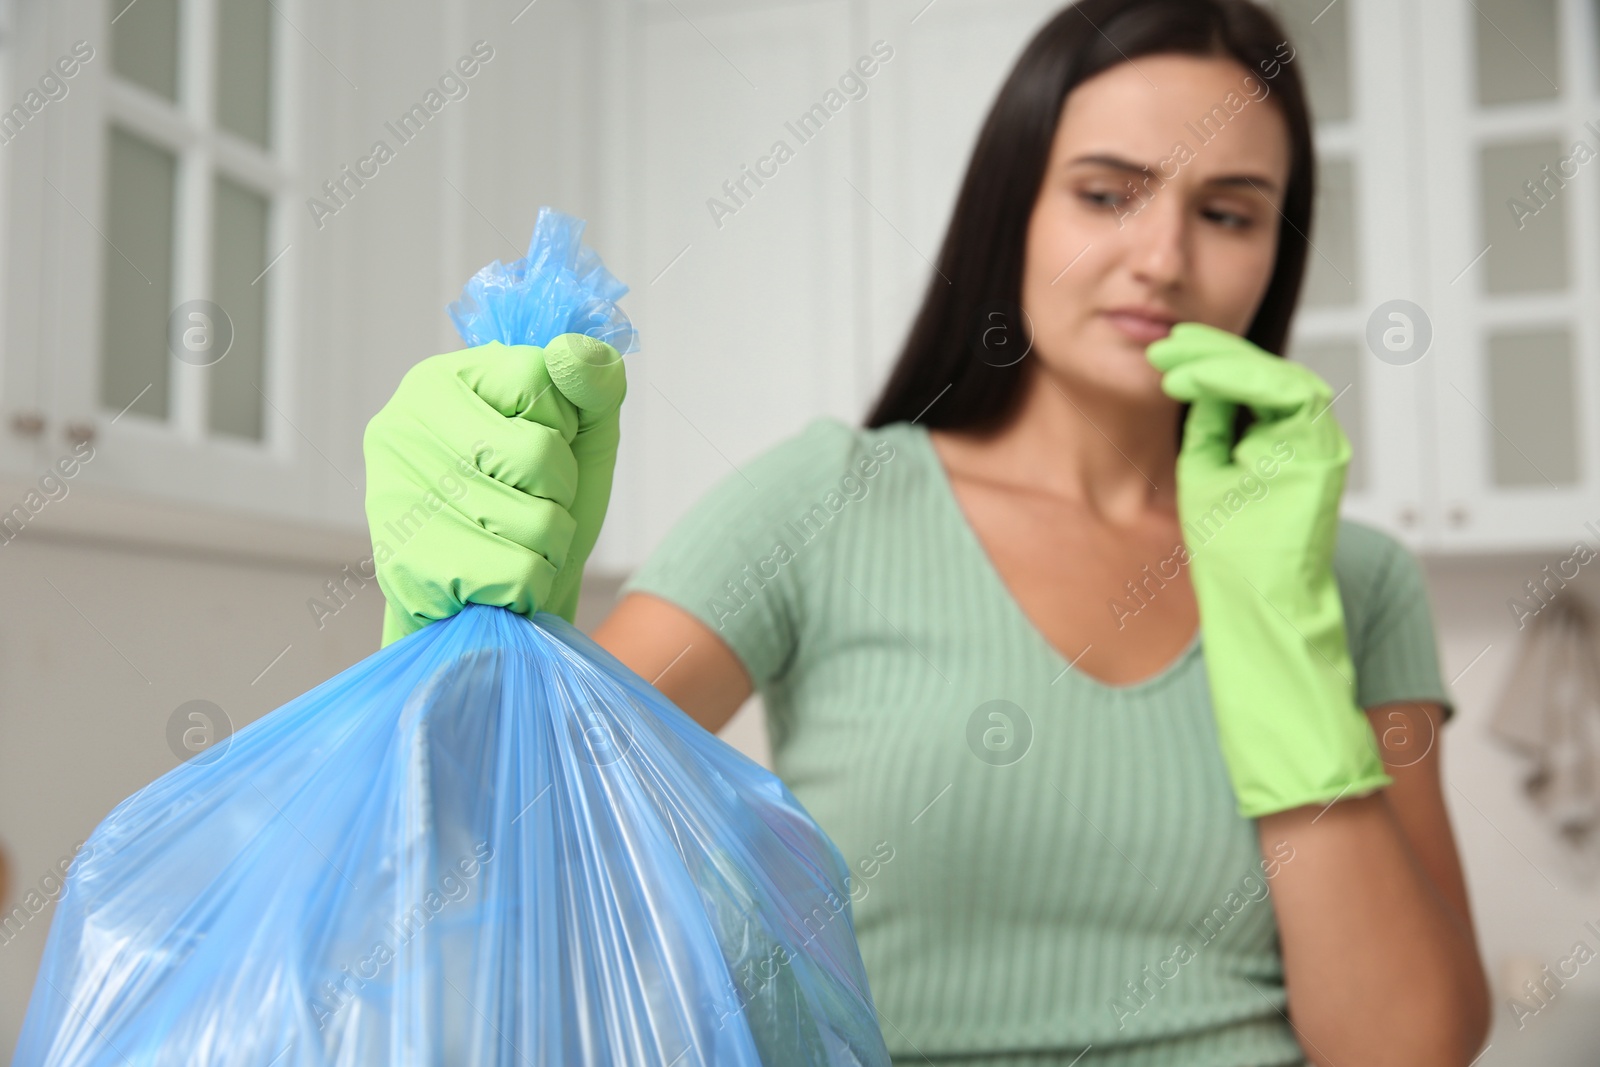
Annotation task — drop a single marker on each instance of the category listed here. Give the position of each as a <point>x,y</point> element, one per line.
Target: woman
<point>974,622</point>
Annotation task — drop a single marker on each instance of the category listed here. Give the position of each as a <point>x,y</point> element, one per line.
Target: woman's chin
<point>1099,384</point>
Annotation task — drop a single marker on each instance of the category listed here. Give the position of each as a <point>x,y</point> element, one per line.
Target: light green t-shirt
<point>1040,862</point>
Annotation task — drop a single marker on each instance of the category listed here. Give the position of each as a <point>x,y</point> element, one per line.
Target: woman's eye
<point>1102,198</point>
<point>1232,220</point>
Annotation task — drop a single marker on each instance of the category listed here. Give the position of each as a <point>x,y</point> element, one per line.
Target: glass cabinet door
<point>27,210</point>
<point>1512,91</point>
<point>1351,57</point>
<point>176,179</point>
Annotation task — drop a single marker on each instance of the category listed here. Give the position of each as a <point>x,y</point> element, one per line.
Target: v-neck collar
<point>944,491</point>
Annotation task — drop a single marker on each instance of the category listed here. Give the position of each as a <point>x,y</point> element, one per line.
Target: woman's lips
<point>1145,329</point>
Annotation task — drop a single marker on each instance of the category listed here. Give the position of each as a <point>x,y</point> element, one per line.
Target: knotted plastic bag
<point>559,287</point>
<point>489,843</point>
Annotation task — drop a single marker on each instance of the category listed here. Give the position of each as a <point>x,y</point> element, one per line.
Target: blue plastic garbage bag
<point>489,843</point>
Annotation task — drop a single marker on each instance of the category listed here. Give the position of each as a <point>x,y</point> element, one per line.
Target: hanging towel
<point>1550,712</point>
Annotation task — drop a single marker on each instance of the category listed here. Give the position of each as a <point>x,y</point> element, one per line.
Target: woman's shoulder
<point>1364,554</point>
<point>827,437</point>
<point>1388,619</point>
<point>1377,574</point>
<point>824,453</point>
<point>825,464</point>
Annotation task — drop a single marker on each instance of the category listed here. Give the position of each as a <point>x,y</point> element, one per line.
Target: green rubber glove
<point>488,476</point>
<point>1260,527</point>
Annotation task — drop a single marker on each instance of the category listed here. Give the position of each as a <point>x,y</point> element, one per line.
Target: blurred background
<point>227,227</point>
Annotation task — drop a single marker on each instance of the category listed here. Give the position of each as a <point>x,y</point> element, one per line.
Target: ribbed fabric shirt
<point>1040,863</point>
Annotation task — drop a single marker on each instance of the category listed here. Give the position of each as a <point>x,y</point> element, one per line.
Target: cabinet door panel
<point>949,64</point>
<point>745,286</point>
<point>1513,213</point>
<point>140,206</point>
<point>1532,408</point>
<point>1365,266</point>
<point>175,347</point>
<point>35,37</point>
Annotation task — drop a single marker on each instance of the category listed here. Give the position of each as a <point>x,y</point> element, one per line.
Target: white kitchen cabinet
<point>25,56</point>
<point>1366,250</point>
<point>793,296</point>
<point>182,165</point>
<point>177,318</point>
<point>1506,92</point>
<point>742,233</point>
<point>950,58</point>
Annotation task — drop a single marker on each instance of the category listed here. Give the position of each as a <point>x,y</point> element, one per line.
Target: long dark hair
<point>941,377</point>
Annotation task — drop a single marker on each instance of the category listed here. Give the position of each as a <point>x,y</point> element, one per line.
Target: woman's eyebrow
<point>1114,162</point>
<point>1259,182</point>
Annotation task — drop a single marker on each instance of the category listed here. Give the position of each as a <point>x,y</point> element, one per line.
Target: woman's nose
<point>1157,240</point>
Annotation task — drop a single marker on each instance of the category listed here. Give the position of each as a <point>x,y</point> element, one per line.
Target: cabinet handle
<point>80,433</point>
<point>1459,515</point>
<point>1408,517</point>
<point>27,423</point>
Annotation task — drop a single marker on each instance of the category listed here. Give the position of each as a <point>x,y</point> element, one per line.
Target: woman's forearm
<point>1380,969</point>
